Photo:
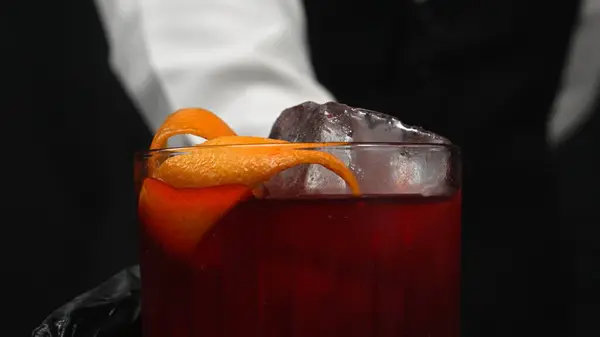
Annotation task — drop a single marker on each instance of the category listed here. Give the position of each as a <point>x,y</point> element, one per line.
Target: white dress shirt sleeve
<point>245,60</point>
<point>581,77</point>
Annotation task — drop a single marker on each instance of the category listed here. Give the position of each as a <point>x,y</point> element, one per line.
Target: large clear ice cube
<point>333,122</point>
<point>379,169</point>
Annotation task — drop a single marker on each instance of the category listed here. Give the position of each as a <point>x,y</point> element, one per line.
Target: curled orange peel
<point>192,121</point>
<point>189,192</point>
<point>177,219</point>
<point>249,166</point>
<point>241,140</point>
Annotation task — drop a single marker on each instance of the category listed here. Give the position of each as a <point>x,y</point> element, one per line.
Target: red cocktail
<point>315,262</point>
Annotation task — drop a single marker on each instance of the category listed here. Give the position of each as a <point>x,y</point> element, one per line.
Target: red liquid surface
<point>318,267</point>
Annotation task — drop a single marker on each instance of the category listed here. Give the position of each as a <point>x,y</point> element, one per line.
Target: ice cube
<point>380,170</point>
<point>333,122</point>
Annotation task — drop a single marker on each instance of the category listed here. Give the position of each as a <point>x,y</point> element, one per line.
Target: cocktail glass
<point>303,257</point>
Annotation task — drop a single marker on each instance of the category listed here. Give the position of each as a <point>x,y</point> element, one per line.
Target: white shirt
<point>247,60</point>
<point>581,76</point>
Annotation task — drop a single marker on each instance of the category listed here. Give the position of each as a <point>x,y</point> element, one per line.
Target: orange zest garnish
<point>236,143</point>
<point>177,219</point>
<point>242,140</point>
<point>190,192</point>
<point>192,121</point>
<point>249,166</point>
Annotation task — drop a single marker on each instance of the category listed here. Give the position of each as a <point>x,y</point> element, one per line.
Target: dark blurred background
<point>514,83</point>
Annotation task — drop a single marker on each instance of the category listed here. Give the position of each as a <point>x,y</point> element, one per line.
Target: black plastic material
<point>110,310</point>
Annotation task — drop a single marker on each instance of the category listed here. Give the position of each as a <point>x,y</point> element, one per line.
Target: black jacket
<point>484,74</point>
<point>68,133</point>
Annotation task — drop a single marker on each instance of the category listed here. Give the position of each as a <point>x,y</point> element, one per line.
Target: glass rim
<point>330,145</point>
